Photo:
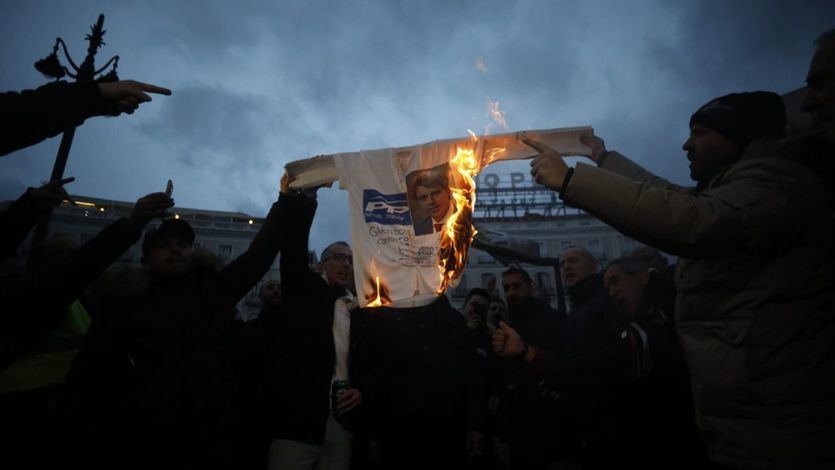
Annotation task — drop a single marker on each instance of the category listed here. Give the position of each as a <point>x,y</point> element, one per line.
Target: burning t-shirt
<point>410,208</point>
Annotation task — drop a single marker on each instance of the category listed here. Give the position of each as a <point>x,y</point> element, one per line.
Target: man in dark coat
<point>754,276</point>
<point>307,417</point>
<point>36,318</point>
<point>153,383</point>
<point>584,371</point>
<point>531,426</point>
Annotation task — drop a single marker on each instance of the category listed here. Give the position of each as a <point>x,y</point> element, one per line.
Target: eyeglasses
<point>341,257</point>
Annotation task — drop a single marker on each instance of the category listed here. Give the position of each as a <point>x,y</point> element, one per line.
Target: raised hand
<point>506,341</point>
<point>51,193</point>
<point>125,96</point>
<point>150,206</point>
<point>548,168</point>
<point>598,147</point>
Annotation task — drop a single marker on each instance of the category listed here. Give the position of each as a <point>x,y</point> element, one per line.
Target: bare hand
<point>598,147</point>
<point>125,96</point>
<point>286,179</point>
<point>548,168</point>
<point>150,206</point>
<point>347,400</point>
<point>506,341</point>
<point>475,443</point>
<point>51,193</point>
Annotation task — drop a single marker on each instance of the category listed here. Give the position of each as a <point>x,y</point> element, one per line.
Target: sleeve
<point>31,116</point>
<point>618,163</point>
<point>17,221</point>
<point>236,279</point>
<point>751,207</point>
<point>296,276</point>
<point>47,297</point>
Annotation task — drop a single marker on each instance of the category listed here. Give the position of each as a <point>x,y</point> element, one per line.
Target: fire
<point>382,296</point>
<point>459,230</point>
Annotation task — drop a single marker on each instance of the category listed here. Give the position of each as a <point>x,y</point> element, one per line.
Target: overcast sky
<point>259,84</point>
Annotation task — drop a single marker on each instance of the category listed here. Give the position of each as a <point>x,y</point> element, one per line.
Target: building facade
<point>512,210</point>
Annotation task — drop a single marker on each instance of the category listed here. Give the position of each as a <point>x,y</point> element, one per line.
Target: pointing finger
<point>152,88</point>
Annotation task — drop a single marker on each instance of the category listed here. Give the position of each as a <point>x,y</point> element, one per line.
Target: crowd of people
<point>726,361</point>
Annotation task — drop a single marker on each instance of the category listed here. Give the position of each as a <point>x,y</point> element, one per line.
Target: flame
<point>459,230</point>
<point>496,114</point>
<point>382,296</point>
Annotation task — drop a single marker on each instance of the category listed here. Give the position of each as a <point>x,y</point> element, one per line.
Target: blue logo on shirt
<point>386,209</point>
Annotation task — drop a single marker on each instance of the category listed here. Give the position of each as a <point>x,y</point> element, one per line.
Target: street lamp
<point>51,67</point>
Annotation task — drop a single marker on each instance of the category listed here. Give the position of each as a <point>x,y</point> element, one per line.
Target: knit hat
<point>743,117</point>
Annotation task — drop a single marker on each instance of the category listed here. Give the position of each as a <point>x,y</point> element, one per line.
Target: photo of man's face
<point>430,198</point>
<point>434,200</point>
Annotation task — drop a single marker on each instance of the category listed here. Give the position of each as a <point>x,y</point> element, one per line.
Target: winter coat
<point>754,295</point>
<point>300,369</point>
<point>31,116</point>
<point>530,420</point>
<point>154,378</point>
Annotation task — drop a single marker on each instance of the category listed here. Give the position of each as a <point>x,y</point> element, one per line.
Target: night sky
<point>260,84</point>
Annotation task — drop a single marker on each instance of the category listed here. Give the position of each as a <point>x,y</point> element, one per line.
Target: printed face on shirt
<point>338,265</point>
<point>433,200</point>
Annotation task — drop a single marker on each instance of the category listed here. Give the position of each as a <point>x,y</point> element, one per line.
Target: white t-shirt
<point>384,216</point>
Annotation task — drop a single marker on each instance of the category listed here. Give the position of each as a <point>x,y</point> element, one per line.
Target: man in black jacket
<point>586,372</point>
<point>307,413</point>
<point>531,425</point>
<point>153,383</point>
<point>35,306</point>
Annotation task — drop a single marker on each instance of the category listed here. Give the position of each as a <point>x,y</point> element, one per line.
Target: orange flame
<point>382,296</point>
<point>459,230</point>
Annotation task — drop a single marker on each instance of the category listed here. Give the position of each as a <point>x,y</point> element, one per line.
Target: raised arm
<point>241,275</point>
<point>19,219</point>
<point>31,116</point>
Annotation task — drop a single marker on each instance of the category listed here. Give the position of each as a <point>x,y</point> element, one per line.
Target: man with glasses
<point>307,382</point>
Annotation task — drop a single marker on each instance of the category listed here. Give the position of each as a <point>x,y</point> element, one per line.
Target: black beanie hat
<point>743,117</point>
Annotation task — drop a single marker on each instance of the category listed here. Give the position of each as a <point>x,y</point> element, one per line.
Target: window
<point>564,244</point>
<point>224,252</point>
